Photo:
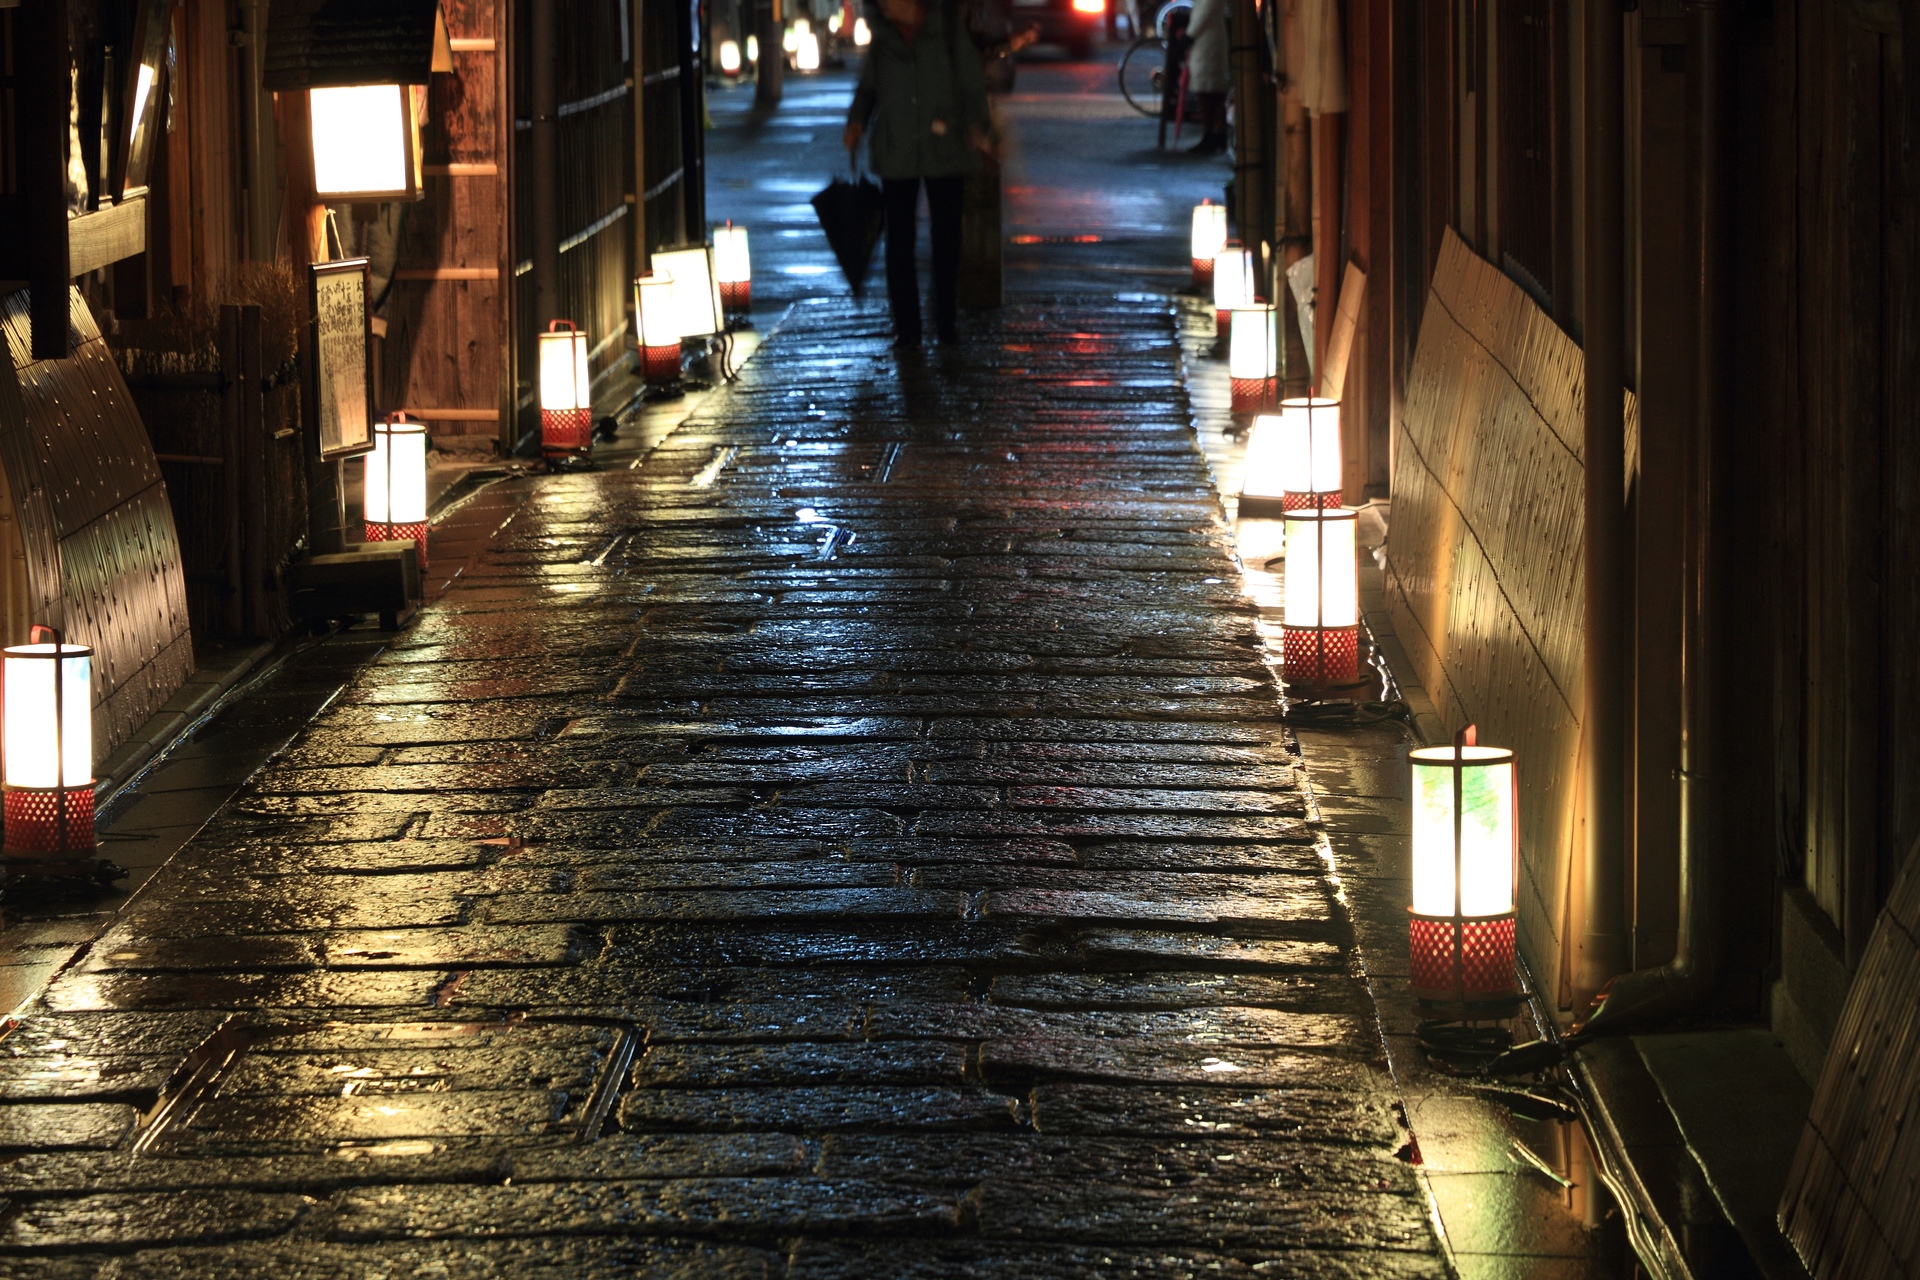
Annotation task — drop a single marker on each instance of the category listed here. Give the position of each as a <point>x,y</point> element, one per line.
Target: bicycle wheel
<point>1167,11</point>
<point>1140,75</point>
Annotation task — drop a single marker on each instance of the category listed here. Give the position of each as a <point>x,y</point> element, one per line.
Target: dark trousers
<point>945,198</point>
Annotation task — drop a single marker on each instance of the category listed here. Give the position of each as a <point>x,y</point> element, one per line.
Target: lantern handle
<point>38,629</point>
<point>562,326</point>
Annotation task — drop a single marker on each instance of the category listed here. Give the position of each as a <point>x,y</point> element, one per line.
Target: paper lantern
<point>733,268</point>
<point>394,495</point>
<point>1253,358</point>
<point>806,54</point>
<point>753,49</point>
<point>1209,238</point>
<point>1292,459</point>
<point>566,392</point>
<point>1465,855</point>
<point>1320,605</point>
<point>654,311</point>
<point>1090,6</point>
<point>790,37</point>
<point>698,310</point>
<point>48,687</point>
<point>1232,286</point>
<point>730,57</point>
<point>366,143</point>
<point>862,33</point>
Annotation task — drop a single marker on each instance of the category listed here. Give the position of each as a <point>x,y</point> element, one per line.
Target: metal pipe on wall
<point>256,114</point>
<point>1603,937</point>
<point>1673,987</point>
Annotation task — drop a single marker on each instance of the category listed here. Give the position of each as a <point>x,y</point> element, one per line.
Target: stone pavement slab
<point>860,839</point>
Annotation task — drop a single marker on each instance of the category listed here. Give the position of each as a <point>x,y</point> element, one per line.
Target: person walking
<point>1208,72</point>
<point>921,105</point>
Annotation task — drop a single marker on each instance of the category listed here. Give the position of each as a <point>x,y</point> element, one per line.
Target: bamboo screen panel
<point>102,557</point>
<point>1484,573</point>
<point>1848,1208</point>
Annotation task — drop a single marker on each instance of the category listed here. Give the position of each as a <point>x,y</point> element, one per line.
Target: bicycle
<point>1143,75</point>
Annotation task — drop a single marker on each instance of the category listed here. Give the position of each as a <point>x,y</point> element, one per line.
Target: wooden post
<point>232,571</point>
<point>306,230</point>
<point>1603,941</point>
<point>982,284</point>
<point>251,463</point>
<point>1250,142</point>
<point>42,89</point>
<point>642,251</point>
<point>1294,200</point>
<point>1328,255</point>
<point>769,74</point>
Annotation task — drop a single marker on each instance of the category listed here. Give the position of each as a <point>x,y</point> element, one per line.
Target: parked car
<point>1070,23</point>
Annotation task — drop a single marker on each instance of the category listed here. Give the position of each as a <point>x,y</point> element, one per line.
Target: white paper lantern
<point>1209,238</point>
<point>658,316</point>
<point>566,391</point>
<point>1292,459</point>
<point>698,309</point>
<point>1253,357</point>
<point>366,143</point>
<point>1465,851</point>
<point>48,697</point>
<point>394,492</point>
<point>1320,614</point>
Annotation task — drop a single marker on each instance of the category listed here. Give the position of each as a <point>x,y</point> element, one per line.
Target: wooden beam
<point>95,240</point>
<point>40,234</point>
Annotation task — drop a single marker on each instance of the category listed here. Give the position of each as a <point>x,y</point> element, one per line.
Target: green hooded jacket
<point>918,102</point>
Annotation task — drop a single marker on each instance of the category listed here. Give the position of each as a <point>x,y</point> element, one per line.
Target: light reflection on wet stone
<point>957,889</point>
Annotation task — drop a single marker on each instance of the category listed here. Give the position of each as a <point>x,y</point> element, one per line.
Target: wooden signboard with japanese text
<point>343,396</point>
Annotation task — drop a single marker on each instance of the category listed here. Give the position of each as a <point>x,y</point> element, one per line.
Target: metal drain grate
<point>389,1088</point>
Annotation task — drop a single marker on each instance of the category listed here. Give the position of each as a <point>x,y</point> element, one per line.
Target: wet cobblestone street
<point>860,839</point>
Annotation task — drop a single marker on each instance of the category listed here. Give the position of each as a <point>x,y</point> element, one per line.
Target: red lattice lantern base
<point>736,296</point>
<point>1321,655</point>
<point>1463,960</point>
<point>383,532</point>
<point>1267,507</point>
<point>34,823</point>
<point>1222,321</point>
<point>564,431</point>
<point>660,364</point>
<point>1255,395</point>
<point>1203,273</point>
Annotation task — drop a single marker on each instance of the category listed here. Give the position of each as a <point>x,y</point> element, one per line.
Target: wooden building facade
<point>1705,204</point>
<point>212,212</point>
<point>157,219</point>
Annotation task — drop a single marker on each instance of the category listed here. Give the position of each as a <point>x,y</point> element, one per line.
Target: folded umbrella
<point>853,215</point>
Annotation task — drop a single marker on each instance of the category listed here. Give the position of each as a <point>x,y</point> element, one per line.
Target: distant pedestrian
<point>922,106</point>
<point>1207,72</point>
